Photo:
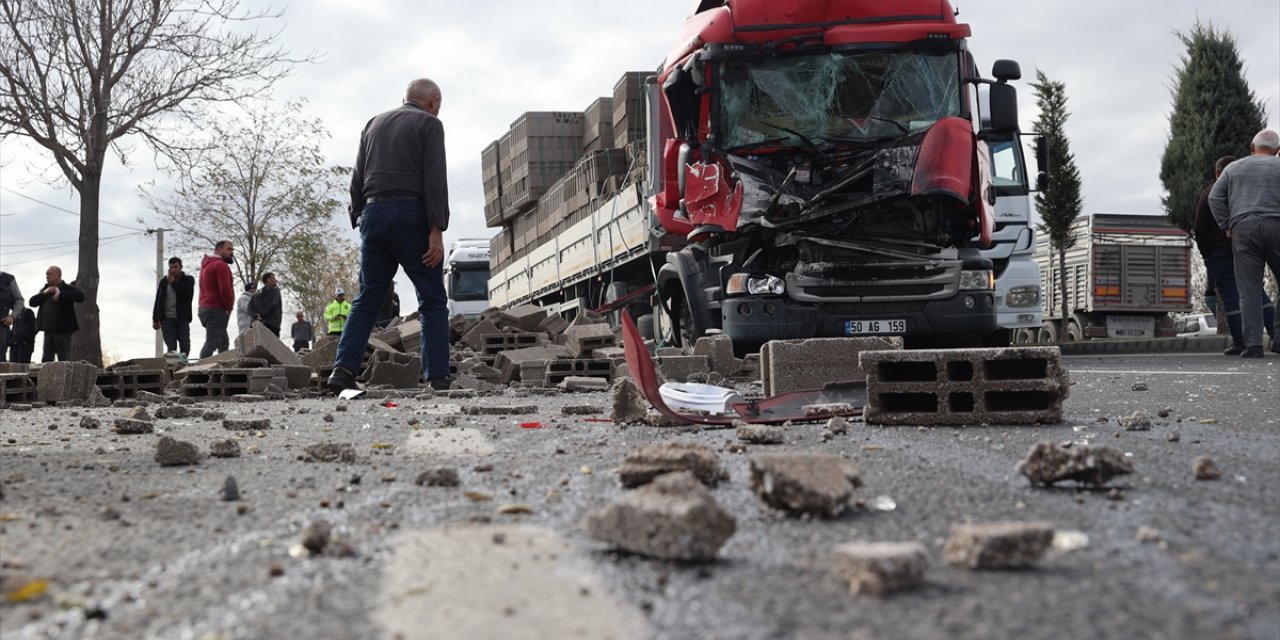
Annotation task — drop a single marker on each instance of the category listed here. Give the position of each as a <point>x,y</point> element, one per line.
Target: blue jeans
<point>1255,242</point>
<point>392,235</point>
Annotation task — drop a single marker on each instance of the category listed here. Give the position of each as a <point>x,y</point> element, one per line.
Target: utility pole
<point>160,273</point>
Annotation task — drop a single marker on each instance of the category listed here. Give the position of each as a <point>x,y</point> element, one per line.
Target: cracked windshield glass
<point>802,100</point>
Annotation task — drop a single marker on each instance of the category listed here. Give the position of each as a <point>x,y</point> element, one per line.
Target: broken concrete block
<point>260,424</point>
<point>1205,469</point>
<point>1047,463</point>
<point>468,381</point>
<point>459,325</point>
<point>258,342</point>
<point>879,568</point>
<point>760,433</point>
<point>719,352</point>
<point>581,410</point>
<point>582,384</point>
<point>798,365</point>
<point>525,317</point>
<point>66,382</point>
<point>932,387</point>
<point>587,316</point>
<point>997,545</point>
<point>642,466</point>
<point>1137,421</point>
<point>509,362</point>
<point>171,452</point>
<point>332,452</point>
<point>323,354</point>
<point>475,337</point>
<point>224,449</point>
<point>389,336</point>
<point>299,376</point>
<point>438,477</point>
<point>582,340</point>
<point>814,483</point>
<point>500,410</point>
<point>628,405</point>
<point>679,368</point>
<point>617,354</point>
<point>673,518</point>
<point>396,370</point>
<point>553,325</point>
<point>126,426</point>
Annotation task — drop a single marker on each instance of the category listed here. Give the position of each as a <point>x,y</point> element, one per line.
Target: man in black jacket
<point>266,306</point>
<point>57,317</point>
<point>171,313</point>
<point>10,311</point>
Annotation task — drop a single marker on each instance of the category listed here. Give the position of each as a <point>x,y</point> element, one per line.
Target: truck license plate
<point>874,327</point>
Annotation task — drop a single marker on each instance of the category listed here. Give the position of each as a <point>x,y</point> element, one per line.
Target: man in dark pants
<point>10,311</point>
<point>266,306</point>
<point>57,317</point>
<point>400,201</point>
<point>1246,202</point>
<point>171,312</point>
<point>302,333</point>
<point>22,337</point>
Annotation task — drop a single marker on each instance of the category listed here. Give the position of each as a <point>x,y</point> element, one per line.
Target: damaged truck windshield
<point>835,96</point>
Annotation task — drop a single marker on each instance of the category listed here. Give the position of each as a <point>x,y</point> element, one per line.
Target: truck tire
<point>1025,336</point>
<point>1048,333</point>
<point>1074,332</point>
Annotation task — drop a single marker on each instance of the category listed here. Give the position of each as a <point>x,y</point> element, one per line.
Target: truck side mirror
<point>1042,154</point>
<point>1006,70</point>
<point>1042,181</point>
<point>1003,100</point>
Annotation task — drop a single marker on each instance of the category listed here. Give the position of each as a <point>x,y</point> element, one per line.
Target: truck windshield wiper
<point>803,138</point>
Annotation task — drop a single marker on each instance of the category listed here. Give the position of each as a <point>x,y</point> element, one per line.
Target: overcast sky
<point>499,58</point>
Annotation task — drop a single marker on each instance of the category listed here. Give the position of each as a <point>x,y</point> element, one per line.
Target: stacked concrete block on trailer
<point>598,126</point>
<point>544,146</point>
<point>1125,275</point>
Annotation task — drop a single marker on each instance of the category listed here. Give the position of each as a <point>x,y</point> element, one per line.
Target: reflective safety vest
<point>336,314</point>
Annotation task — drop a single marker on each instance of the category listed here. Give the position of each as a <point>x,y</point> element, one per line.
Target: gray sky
<point>499,58</point>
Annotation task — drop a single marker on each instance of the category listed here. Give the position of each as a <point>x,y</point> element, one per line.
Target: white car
<point>1196,324</point>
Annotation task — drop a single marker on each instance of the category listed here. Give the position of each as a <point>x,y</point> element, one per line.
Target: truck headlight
<point>741,283</point>
<point>977,280</point>
<point>1028,296</point>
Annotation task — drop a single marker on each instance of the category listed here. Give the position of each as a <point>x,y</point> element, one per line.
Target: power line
<point>54,245</point>
<point>114,240</point>
<point>54,206</point>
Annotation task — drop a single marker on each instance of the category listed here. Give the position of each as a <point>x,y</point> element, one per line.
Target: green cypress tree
<point>1059,204</point>
<point>1214,114</point>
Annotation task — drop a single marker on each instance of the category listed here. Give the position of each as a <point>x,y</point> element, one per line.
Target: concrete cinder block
<point>66,381</point>
<point>583,339</point>
<point>258,342</point>
<point>525,317</point>
<point>389,336</point>
<point>323,354</point>
<point>679,368</point>
<point>799,365</point>
<point>509,362</point>
<point>719,352</point>
<point>1017,385</point>
<point>17,388</point>
<point>553,325</point>
<point>558,370</point>
<point>397,370</point>
<point>299,376</point>
<point>14,367</point>
<point>475,337</point>
<point>499,342</point>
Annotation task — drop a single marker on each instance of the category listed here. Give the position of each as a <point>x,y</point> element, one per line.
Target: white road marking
<point>448,443</point>
<point>1172,373</point>
<point>500,582</point>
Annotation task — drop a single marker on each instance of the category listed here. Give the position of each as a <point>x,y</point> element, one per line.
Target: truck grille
<point>871,282</point>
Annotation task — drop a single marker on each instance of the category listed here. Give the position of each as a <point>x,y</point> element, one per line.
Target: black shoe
<point>1252,352</point>
<point>1234,350</point>
<point>342,379</point>
<point>440,384</point>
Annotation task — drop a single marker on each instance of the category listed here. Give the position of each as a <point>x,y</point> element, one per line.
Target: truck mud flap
<point>775,410</point>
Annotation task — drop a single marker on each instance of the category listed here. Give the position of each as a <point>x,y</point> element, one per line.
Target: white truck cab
<point>466,277</point>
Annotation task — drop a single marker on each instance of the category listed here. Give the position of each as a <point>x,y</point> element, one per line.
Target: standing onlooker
<point>243,317</point>
<point>22,338</point>
<point>10,310</point>
<point>1246,201</point>
<point>400,188</point>
<point>301,333</point>
<point>217,298</point>
<point>171,313</point>
<point>266,306</point>
<point>1215,248</point>
<point>57,318</point>
<point>390,307</point>
<point>336,312</point>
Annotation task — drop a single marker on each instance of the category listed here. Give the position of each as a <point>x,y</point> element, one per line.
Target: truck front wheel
<point>1048,333</point>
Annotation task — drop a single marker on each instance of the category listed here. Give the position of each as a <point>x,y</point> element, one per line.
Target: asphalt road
<point>131,549</point>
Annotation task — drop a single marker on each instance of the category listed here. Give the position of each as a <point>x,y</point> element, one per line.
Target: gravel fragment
<point>332,452</point>
<point>1048,462</point>
<point>643,465</point>
<point>213,416</point>
<point>230,490</point>
<point>581,410</point>
<point>628,406</point>
<point>760,433</point>
<point>125,426</point>
<point>1137,421</point>
<point>89,422</point>
<point>1205,468</point>
<point>997,545</point>
<point>675,517</point>
<point>804,483</point>
<point>171,452</point>
<point>316,536</point>
<point>499,410</point>
<point>438,477</point>
<point>879,568</point>
<point>224,449</point>
<point>259,424</point>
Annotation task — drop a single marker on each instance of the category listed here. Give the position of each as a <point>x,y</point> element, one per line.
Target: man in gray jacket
<point>1246,202</point>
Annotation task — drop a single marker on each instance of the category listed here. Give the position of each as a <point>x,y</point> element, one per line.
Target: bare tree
<point>260,181</point>
<point>315,267</point>
<point>77,76</point>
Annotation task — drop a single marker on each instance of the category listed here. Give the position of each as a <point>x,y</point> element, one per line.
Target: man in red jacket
<point>217,298</point>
